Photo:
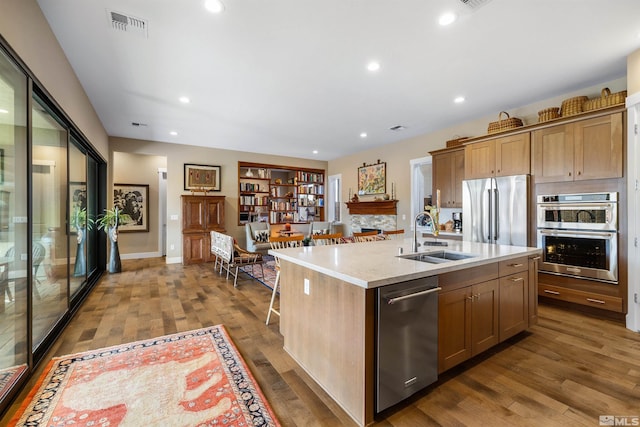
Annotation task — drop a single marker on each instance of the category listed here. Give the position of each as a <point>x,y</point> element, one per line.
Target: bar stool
<point>326,239</point>
<point>279,242</point>
<point>366,236</point>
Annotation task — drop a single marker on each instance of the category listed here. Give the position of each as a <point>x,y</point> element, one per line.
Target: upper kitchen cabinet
<point>448,173</point>
<point>587,149</point>
<point>503,156</point>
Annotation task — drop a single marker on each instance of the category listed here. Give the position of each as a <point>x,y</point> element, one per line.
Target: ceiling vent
<point>128,24</point>
<point>397,128</point>
<point>474,4</point>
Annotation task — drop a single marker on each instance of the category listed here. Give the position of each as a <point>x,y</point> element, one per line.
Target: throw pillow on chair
<point>261,236</point>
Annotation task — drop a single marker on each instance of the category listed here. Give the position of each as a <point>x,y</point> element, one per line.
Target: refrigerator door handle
<point>496,209</point>
<point>490,208</point>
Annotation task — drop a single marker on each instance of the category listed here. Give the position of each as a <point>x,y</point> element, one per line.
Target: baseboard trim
<point>141,255</point>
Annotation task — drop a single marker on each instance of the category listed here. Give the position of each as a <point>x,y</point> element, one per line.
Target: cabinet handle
<point>579,173</point>
<point>598,301</point>
<point>470,298</point>
<point>516,265</point>
<point>569,173</point>
<point>547,291</point>
<point>517,279</point>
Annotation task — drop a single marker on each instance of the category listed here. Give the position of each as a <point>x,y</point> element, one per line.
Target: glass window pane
<point>49,213</point>
<point>13,226</point>
<point>78,217</point>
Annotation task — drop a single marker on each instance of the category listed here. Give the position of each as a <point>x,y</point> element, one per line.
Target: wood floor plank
<point>567,370</point>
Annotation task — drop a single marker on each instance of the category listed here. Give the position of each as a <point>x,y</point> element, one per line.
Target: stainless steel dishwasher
<point>407,339</point>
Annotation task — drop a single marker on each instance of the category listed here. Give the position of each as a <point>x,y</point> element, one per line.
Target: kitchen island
<point>328,307</point>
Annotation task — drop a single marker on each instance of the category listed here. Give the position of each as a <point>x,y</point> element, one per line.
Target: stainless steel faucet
<point>415,228</point>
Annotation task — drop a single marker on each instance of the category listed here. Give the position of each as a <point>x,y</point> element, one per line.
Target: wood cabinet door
<point>484,316</point>
<point>553,154</point>
<point>598,147</point>
<point>454,328</point>
<point>193,215</point>
<point>457,163</point>
<point>442,179</point>
<point>514,304</point>
<point>196,248</point>
<point>214,210</point>
<point>513,155</point>
<point>480,160</point>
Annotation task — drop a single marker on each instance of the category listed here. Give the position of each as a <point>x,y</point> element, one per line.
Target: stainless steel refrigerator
<point>495,210</point>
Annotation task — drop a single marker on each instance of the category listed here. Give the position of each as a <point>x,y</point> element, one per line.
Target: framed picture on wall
<point>201,177</point>
<point>133,200</point>
<point>372,179</point>
<point>77,201</point>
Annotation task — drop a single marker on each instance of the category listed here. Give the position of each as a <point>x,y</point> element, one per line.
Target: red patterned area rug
<point>268,269</point>
<point>195,378</point>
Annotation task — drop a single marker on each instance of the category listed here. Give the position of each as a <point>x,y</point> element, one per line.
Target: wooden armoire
<point>200,216</point>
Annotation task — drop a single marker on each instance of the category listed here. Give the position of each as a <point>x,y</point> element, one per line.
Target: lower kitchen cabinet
<point>514,306</point>
<point>483,307</point>
<point>467,323</point>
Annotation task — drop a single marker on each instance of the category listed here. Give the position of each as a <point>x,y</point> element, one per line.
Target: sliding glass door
<point>14,353</point>
<point>49,225</point>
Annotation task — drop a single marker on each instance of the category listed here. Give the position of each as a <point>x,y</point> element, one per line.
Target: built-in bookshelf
<point>279,194</point>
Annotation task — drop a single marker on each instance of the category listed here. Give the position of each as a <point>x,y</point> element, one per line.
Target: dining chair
<point>280,242</point>
<point>392,234</point>
<point>366,236</point>
<point>326,239</point>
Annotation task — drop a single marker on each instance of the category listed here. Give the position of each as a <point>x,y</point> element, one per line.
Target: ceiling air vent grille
<point>474,4</point>
<point>127,23</point>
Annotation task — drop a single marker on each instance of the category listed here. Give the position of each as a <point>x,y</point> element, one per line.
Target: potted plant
<point>81,222</point>
<point>109,221</point>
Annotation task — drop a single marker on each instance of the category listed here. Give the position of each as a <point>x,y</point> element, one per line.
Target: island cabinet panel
<point>329,331</point>
<point>582,150</point>
<point>514,306</point>
<point>482,306</point>
<point>533,289</point>
<point>484,316</point>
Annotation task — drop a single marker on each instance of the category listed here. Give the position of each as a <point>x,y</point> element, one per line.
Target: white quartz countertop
<point>374,264</point>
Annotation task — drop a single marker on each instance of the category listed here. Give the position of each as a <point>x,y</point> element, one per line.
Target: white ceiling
<point>289,76</point>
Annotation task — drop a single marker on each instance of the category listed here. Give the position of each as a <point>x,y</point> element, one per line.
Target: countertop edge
<point>416,270</point>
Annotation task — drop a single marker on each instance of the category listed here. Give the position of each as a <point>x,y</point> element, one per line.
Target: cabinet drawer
<point>590,299</point>
<point>514,265</point>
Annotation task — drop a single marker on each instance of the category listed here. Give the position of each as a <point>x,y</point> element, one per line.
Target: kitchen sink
<point>438,257</point>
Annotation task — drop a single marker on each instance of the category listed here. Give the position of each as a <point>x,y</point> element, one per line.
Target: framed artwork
<point>372,179</point>
<point>201,177</point>
<point>77,200</point>
<point>133,200</point>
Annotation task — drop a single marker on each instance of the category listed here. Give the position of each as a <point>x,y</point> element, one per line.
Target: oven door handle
<point>605,235</point>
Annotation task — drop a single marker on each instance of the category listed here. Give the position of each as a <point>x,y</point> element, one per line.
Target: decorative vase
<point>80,267</point>
<point>114,265</point>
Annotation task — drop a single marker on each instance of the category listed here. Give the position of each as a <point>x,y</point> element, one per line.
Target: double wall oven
<point>578,235</point>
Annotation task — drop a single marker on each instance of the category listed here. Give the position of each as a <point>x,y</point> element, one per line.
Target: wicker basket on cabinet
<point>572,106</point>
<point>504,124</point>
<point>607,99</point>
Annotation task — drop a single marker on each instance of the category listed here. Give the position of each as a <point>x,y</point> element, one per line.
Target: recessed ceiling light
<point>214,6</point>
<point>459,99</point>
<point>315,151</point>
<point>3,111</point>
<point>184,100</point>
<point>373,66</point>
<point>173,133</point>
<point>363,135</point>
<point>447,18</point>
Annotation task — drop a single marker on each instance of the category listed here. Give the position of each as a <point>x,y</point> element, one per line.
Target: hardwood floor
<point>567,370</point>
